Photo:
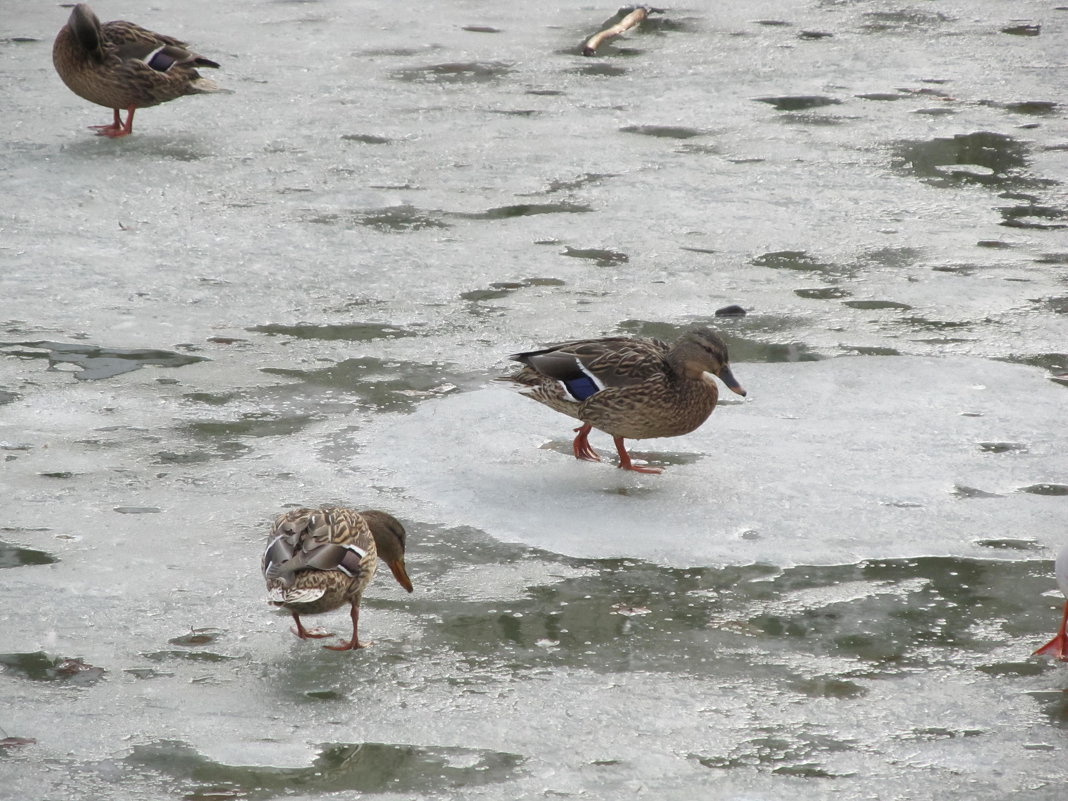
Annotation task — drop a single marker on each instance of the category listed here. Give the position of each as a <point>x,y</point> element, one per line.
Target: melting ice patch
<point>829,462</point>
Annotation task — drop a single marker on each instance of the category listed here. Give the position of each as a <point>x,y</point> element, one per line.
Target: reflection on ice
<point>12,555</point>
<point>799,102</point>
<point>984,157</point>
<point>39,666</point>
<point>363,768</point>
<point>454,72</point>
<point>95,362</point>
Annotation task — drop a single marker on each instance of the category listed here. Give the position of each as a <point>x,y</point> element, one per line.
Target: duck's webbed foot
<point>581,445</point>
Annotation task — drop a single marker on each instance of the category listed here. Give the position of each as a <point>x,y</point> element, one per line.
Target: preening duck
<point>123,66</point>
<point>317,560</point>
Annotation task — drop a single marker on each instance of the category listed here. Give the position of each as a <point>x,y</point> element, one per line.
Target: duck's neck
<point>684,366</point>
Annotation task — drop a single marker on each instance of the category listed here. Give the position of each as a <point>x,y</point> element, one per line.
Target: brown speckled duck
<point>320,559</point>
<point>629,388</point>
<point>123,66</point>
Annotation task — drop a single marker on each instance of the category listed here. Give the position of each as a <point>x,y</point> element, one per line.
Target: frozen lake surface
<point>300,293</point>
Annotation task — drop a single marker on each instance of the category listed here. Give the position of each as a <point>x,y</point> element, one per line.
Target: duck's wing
<point>317,539</point>
<point>631,361</point>
<point>586,367</point>
<point>132,42</point>
<point>122,34</point>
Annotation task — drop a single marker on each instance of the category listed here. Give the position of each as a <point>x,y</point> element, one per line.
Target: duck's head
<point>390,538</point>
<point>702,350</point>
<point>85,26</point>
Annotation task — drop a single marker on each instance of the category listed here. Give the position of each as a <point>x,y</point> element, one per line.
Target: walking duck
<point>1058,646</point>
<point>629,388</point>
<point>122,66</point>
<point>319,559</point>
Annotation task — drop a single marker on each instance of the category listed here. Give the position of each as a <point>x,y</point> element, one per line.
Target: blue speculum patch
<point>582,387</point>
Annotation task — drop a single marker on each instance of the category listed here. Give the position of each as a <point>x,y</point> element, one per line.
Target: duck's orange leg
<point>354,643</point>
<point>117,128</point>
<point>101,130</point>
<point>1058,646</point>
<point>304,634</point>
<point>581,445</point>
<point>626,464</point>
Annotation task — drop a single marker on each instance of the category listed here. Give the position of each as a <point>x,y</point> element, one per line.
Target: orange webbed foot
<point>625,462</point>
<point>581,446</point>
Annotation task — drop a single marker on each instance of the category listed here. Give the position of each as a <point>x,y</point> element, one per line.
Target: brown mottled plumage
<point>123,66</point>
<point>317,560</point>
<point>629,388</point>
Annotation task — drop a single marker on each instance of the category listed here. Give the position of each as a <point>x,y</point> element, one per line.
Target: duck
<point>317,560</point>
<point>629,388</point>
<point>628,17</point>
<point>123,66</point>
<point>1058,646</point>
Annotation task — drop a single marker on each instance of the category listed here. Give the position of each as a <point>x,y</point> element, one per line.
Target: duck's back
<point>304,533</point>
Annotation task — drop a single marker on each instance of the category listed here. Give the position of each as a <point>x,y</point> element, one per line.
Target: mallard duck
<point>629,388</point>
<point>319,559</point>
<point>1058,646</point>
<point>123,66</point>
<point>628,17</point>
